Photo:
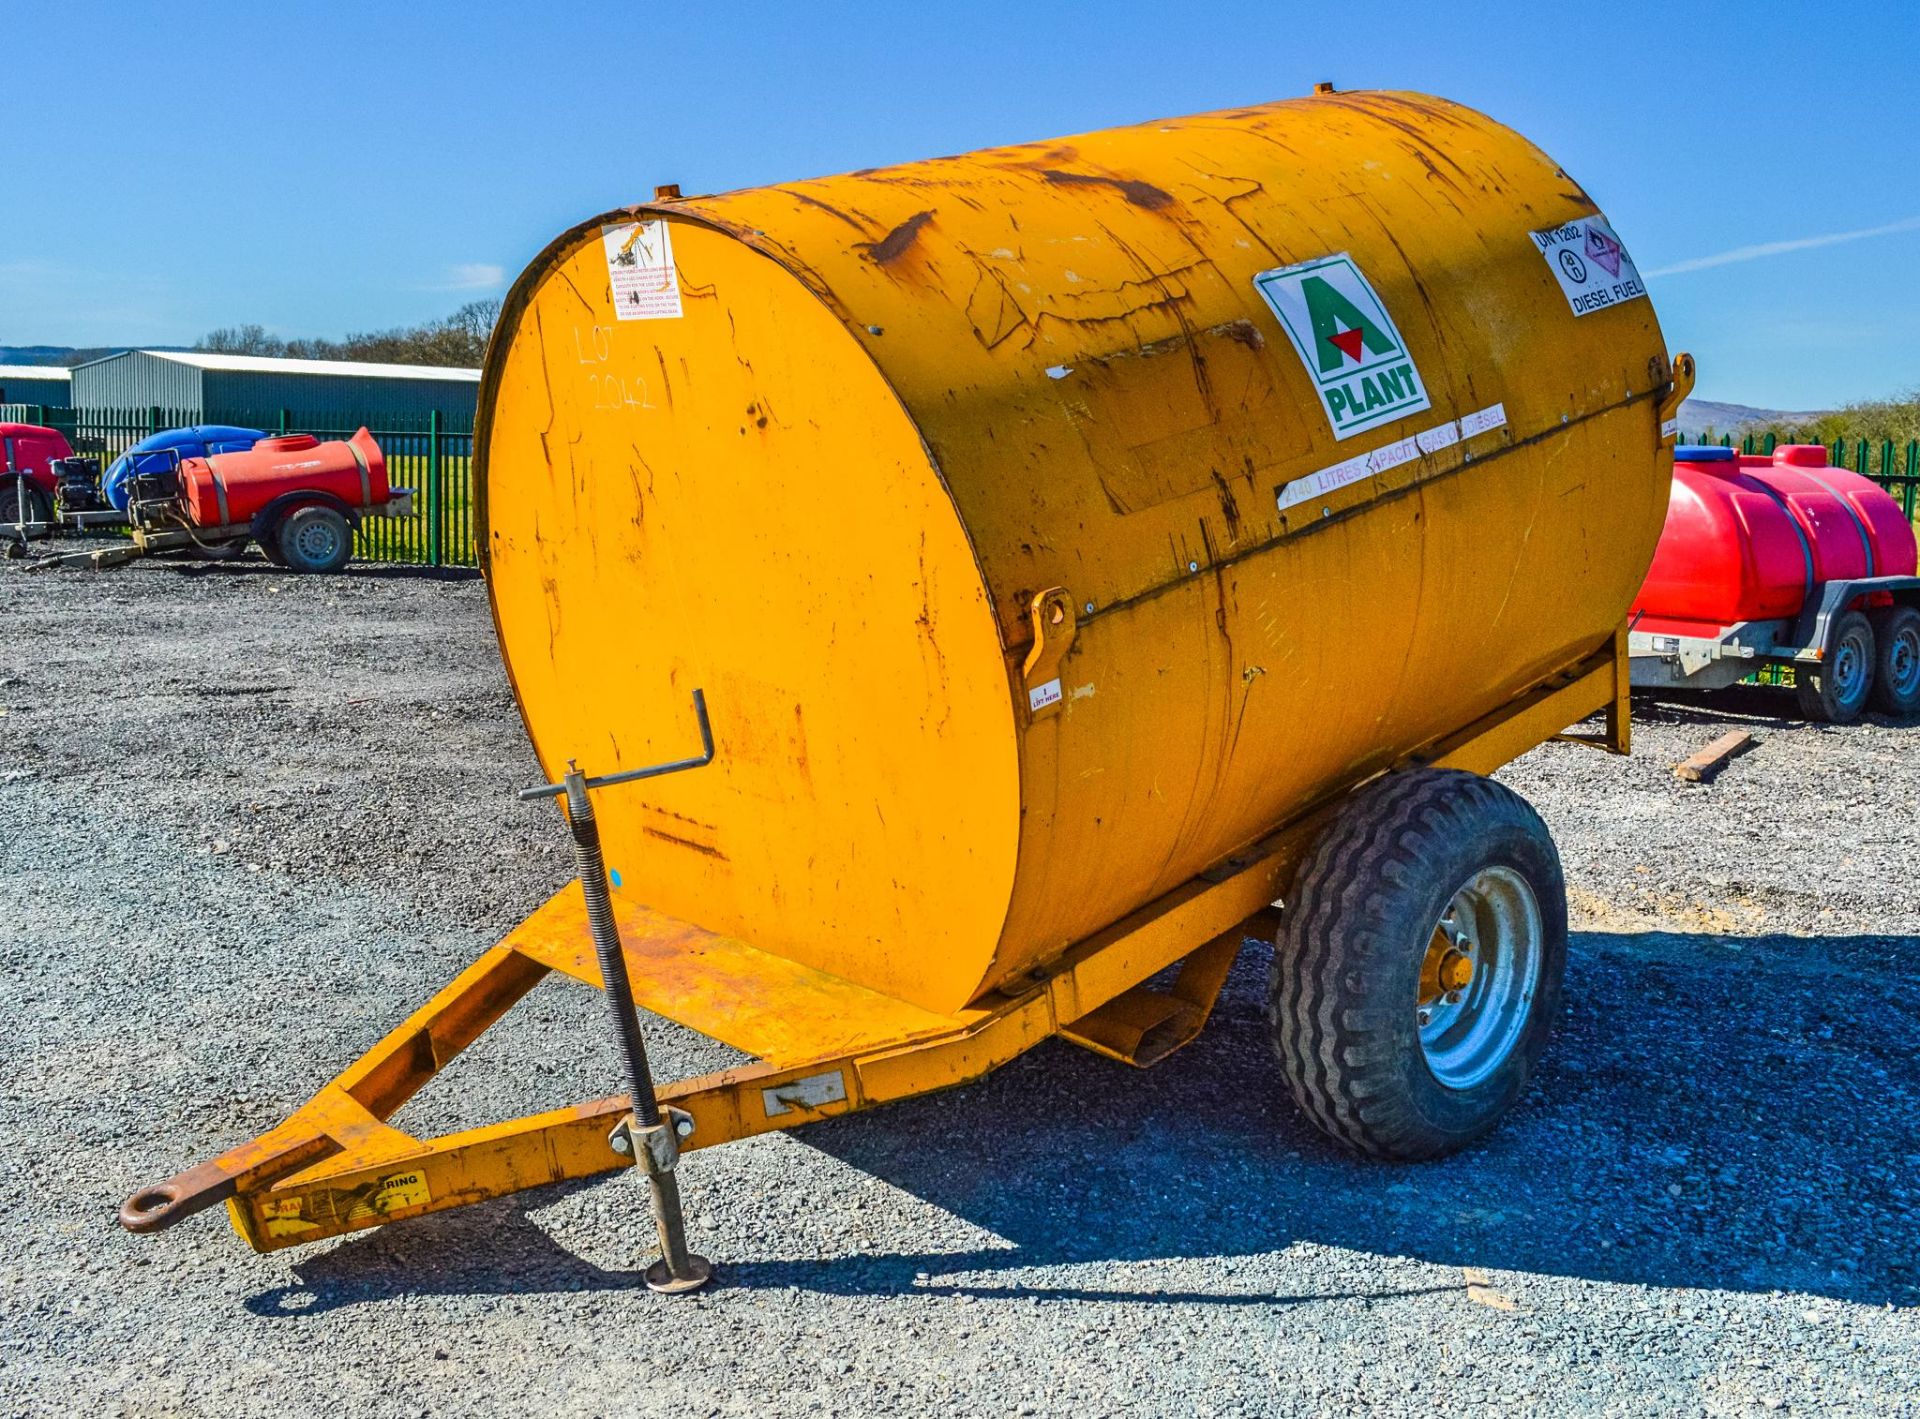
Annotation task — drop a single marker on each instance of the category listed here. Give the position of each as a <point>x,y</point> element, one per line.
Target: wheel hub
<point>316,541</point>
<point>1848,669</point>
<point>1903,662</point>
<point>1448,968</point>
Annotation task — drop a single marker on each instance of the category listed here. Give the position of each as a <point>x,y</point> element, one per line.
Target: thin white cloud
<point>472,276</point>
<point>1777,248</point>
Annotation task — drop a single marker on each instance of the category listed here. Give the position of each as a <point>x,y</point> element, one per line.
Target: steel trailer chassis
<point>1666,661</point>
<point>148,539</point>
<point>822,1046</point>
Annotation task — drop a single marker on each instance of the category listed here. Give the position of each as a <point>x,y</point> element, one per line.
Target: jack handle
<point>649,1134</point>
<point>556,790</point>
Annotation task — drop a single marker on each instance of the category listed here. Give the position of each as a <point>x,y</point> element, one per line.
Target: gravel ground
<point>248,820</point>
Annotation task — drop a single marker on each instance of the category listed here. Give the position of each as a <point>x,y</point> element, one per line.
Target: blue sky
<point>321,168</point>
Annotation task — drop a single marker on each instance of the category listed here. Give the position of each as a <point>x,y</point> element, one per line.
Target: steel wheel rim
<point>316,542</point>
<point>1903,662</point>
<point>1849,671</point>
<point>1493,923</point>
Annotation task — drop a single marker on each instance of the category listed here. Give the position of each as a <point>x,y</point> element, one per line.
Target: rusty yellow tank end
<point>824,1046</point>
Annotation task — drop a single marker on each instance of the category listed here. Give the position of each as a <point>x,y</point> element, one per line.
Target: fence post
<point>1913,472</point>
<point>436,522</point>
<point>286,421</point>
<point>153,418</point>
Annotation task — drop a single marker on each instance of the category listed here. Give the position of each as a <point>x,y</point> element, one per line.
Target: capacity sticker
<point>640,266</point>
<point>1592,267</point>
<point>1349,344</point>
<point>1392,455</point>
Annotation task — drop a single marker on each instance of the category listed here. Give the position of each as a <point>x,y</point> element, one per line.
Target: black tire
<point>1896,661</point>
<point>22,496</point>
<point>269,541</point>
<point>1358,931</point>
<point>1837,689</point>
<point>315,539</point>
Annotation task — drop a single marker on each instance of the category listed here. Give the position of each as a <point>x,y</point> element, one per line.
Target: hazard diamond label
<point>1593,269</point>
<point>1350,346</point>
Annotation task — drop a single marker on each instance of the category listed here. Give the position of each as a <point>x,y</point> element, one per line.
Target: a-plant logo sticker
<point>1352,349</point>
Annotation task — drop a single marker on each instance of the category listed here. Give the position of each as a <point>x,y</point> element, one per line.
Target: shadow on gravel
<point>1723,1113</point>
<point>492,1249</point>
<point>353,571</point>
<point>1759,704</point>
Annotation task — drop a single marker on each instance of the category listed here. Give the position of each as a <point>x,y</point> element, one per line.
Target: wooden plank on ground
<point>1710,760</point>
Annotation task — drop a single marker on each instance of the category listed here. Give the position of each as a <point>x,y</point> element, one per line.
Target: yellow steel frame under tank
<point>1074,415</point>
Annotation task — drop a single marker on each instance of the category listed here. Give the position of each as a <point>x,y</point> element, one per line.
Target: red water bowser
<point>228,489</point>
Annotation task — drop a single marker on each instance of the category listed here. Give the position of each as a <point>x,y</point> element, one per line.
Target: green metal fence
<point>427,453</point>
<point>1894,468</point>
<point>434,456</point>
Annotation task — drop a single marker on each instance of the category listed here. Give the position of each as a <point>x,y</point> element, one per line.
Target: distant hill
<point>1697,416</point>
<point>68,354</point>
<point>36,354</point>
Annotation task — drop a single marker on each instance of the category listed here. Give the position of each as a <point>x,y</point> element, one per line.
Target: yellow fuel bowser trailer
<point>1078,548</point>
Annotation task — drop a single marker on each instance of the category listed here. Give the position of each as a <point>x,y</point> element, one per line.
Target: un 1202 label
<point>1591,265</point>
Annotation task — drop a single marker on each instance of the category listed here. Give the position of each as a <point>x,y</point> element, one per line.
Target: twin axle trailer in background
<point>1782,559</point>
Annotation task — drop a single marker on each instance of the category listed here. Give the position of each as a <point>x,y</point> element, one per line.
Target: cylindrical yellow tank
<point>1290,404</point>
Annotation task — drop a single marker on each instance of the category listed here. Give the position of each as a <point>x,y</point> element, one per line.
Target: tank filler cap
<point>1702,453</point>
<point>1801,455</point>
<point>1325,86</point>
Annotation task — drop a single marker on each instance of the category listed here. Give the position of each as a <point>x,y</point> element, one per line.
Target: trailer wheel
<point>315,539</point>
<point>1896,670</point>
<point>1417,971</point>
<point>20,501</point>
<point>1836,689</point>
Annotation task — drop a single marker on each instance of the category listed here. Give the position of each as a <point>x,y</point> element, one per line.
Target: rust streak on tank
<point>1140,194</point>
<point>665,836</point>
<point>828,208</point>
<point>895,243</point>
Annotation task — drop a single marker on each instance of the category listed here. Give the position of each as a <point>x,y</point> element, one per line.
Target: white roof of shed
<point>35,372</point>
<point>353,369</point>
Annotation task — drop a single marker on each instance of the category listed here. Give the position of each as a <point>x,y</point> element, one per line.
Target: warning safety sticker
<point>1593,268</point>
<point>1352,349</point>
<point>640,266</point>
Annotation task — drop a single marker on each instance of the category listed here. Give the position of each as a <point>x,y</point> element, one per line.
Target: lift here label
<point>1352,349</point>
<point>1592,267</point>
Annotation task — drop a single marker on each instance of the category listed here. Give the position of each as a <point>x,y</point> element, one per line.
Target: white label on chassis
<point>1592,267</point>
<point>812,1092</point>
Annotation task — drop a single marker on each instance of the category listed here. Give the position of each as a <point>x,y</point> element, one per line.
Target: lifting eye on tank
<point>1051,613</point>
